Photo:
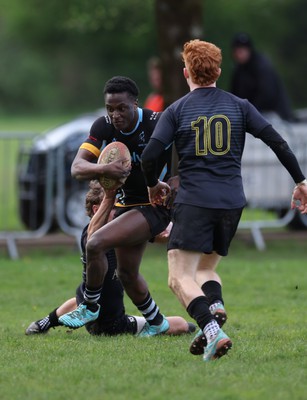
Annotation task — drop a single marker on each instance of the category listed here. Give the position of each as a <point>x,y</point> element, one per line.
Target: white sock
<point>216,305</point>
<point>140,322</point>
<point>211,330</point>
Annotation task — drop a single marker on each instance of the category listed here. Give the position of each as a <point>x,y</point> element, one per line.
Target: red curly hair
<point>203,61</point>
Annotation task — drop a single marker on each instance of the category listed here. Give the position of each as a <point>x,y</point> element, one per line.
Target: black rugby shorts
<point>157,218</point>
<point>203,229</point>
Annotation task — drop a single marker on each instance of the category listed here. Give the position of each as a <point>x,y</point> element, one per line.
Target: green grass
<point>265,295</point>
<point>32,123</point>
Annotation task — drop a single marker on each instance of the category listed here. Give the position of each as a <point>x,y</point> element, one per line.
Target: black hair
<point>242,39</point>
<point>121,84</point>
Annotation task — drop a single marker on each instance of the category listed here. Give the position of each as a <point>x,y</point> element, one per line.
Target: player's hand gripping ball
<point>112,152</point>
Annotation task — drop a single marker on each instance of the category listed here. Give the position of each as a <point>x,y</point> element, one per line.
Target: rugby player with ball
<point>112,319</point>
<point>136,221</point>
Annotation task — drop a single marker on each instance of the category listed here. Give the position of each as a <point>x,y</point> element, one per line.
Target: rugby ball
<point>112,152</point>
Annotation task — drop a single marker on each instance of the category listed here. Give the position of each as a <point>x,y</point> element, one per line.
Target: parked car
<point>59,145</point>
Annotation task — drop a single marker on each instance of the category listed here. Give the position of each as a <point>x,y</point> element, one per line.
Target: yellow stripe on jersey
<point>90,148</point>
<point>131,205</point>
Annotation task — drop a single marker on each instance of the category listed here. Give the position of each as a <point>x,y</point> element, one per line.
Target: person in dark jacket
<point>254,78</point>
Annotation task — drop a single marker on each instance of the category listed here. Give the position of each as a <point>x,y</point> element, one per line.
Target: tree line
<point>56,56</point>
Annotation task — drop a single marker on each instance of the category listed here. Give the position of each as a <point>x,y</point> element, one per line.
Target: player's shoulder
<point>150,115</point>
<point>149,120</point>
<point>102,126</point>
<point>102,121</point>
<point>230,97</point>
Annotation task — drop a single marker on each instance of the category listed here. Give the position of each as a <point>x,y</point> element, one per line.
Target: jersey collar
<point>140,119</point>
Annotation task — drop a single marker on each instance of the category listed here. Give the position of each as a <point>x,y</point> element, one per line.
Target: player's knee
<point>126,276</point>
<point>174,283</point>
<point>93,245</point>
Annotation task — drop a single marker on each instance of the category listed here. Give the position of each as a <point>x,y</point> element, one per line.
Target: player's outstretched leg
<point>79,317</point>
<point>200,342</point>
<point>152,330</point>
<point>35,328</point>
<point>43,325</point>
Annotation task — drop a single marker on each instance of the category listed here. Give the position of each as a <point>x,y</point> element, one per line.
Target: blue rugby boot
<point>153,330</point>
<point>200,342</point>
<point>218,347</point>
<point>79,317</point>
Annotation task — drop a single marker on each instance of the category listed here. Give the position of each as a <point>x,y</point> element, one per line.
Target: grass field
<point>265,294</point>
<point>31,123</point>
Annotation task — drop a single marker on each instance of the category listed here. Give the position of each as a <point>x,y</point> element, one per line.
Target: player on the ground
<point>208,127</point>
<point>136,220</point>
<point>112,319</point>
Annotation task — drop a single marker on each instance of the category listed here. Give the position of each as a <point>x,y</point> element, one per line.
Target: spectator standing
<point>254,78</point>
<point>155,100</point>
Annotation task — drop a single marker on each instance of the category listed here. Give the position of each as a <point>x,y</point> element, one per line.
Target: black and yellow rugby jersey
<point>103,132</point>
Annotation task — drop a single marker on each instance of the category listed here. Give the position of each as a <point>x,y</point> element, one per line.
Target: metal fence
<point>267,184</point>
<point>38,195</point>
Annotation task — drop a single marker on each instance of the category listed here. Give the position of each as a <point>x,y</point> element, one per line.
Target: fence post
<point>11,145</point>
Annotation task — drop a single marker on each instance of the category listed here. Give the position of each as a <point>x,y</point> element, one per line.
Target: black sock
<point>93,307</point>
<point>198,309</point>
<point>213,292</point>
<point>48,322</point>
<point>131,326</point>
<point>53,318</point>
<point>150,311</point>
<point>91,298</point>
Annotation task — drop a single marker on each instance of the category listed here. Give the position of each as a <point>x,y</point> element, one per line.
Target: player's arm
<point>101,217</point>
<point>283,152</point>
<point>157,190</point>
<point>152,152</point>
<point>85,167</point>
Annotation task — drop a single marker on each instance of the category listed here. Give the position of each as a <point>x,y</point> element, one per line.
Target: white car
<point>45,179</point>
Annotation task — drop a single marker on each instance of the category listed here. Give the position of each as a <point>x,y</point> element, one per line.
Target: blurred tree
<point>56,56</point>
<point>78,45</point>
<point>176,24</point>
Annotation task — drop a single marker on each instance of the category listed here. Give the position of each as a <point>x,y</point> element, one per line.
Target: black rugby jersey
<point>103,132</point>
<point>208,127</point>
